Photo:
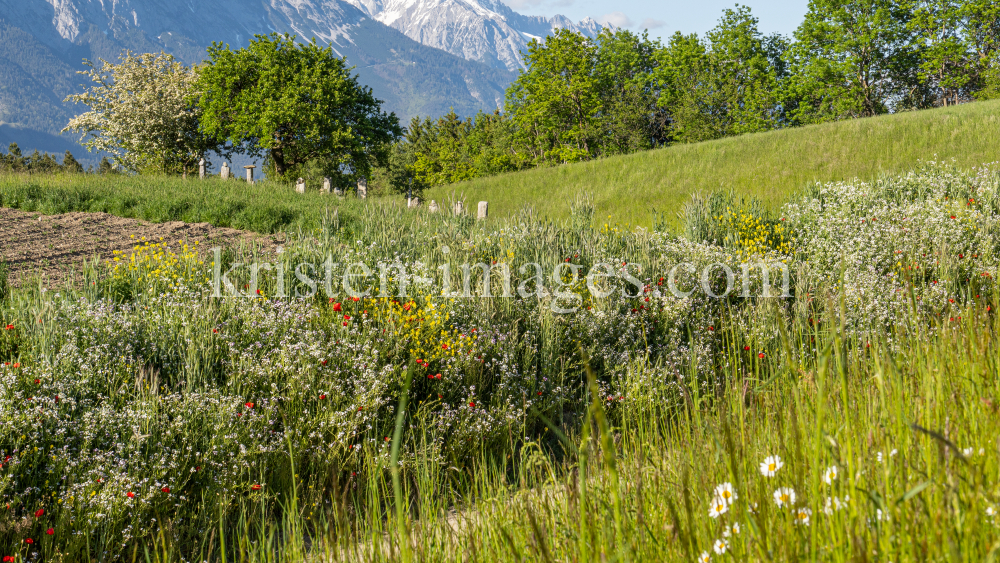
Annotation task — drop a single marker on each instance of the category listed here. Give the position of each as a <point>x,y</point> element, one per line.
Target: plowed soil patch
<point>33,244</point>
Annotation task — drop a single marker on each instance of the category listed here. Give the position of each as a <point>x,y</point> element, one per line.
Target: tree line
<point>294,104</point>
<point>299,107</point>
<point>582,98</point>
<point>44,163</point>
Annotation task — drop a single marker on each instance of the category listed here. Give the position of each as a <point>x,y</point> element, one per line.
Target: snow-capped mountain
<point>487,31</point>
<point>43,44</point>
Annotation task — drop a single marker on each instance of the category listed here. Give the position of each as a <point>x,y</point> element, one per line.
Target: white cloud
<point>652,23</point>
<point>617,19</point>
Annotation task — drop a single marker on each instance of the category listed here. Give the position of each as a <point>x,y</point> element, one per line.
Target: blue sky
<point>664,17</point>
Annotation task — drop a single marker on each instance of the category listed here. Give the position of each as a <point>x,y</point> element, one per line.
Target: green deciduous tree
<point>554,102</point>
<point>982,34</point>
<point>141,113</point>
<point>854,58</point>
<point>299,103</point>
<point>580,97</point>
<point>948,67</point>
<point>727,86</point>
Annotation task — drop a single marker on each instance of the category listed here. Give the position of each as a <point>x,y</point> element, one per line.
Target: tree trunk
<point>278,156</point>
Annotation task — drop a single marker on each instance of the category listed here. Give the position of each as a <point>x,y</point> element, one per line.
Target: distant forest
<point>579,98</point>
<point>583,98</point>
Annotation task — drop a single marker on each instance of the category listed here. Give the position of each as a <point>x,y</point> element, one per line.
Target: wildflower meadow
<point>674,408</point>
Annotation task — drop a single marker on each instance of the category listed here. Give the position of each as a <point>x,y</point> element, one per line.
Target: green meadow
<point>768,166</point>
<point>659,412</point>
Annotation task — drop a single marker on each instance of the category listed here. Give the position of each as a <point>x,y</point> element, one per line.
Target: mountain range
<point>422,57</point>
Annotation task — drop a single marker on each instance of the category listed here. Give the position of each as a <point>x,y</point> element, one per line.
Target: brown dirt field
<point>49,245</point>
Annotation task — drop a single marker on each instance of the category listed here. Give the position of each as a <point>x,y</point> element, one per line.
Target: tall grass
<point>145,419</point>
<point>264,207</point>
<point>641,189</point>
<point>908,421</point>
<point>770,166</point>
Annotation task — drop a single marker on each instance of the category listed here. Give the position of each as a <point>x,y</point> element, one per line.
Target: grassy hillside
<point>769,166</point>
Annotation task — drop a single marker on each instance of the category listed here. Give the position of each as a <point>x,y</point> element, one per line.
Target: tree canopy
<point>141,112</point>
<point>299,103</point>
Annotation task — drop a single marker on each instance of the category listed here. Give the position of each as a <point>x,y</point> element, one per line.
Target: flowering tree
<point>141,114</point>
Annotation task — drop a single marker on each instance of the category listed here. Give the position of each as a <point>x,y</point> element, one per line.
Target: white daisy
<point>736,527</point>
<point>720,546</point>
<point>770,466</point>
<point>967,452</point>
<point>990,511</point>
<point>726,493</point>
<point>830,475</point>
<point>717,508</point>
<point>704,557</point>
<point>802,516</point>
<point>785,496</point>
<point>835,504</point>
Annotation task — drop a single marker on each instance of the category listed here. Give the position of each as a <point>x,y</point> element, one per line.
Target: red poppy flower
<point>248,405</point>
<point>336,306</point>
<point>8,559</point>
<point>539,393</point>
<point>50,531</point>
<point>9,327</point>
<point>255,487</point>
<point>324,362</point>
<point>17,365</point>
<point>259,292</point>
<point>347,317</point>
<point>322,397</point>
<point>472,405</point>
<point>39,513</point>
<point>746,348</point>
<point>386,438</point>
<point>355,299</point>
<point>29,541</point>
<point>345,323</point>
<point>444,346</point>
<point>130,494</point>
<point>38,382</point>
<point>711,328</point>
<point>761,355</point>
<point>215,331</point>
<point>165,489</point>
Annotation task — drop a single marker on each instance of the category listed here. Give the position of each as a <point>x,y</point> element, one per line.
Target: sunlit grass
<point>769,166</point>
